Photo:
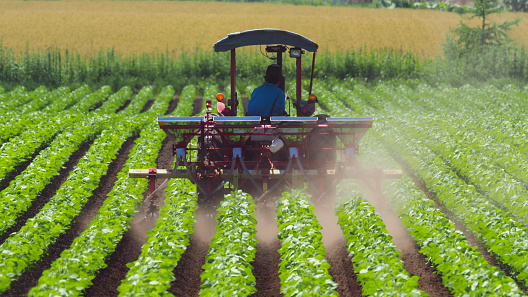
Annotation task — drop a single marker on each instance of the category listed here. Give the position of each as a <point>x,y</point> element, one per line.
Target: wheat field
<point>132,27</point>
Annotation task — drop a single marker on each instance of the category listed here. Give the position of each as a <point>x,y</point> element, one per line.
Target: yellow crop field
<point>132,27</point>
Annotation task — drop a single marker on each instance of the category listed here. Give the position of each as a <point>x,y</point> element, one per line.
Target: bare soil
<point>173,104</point>
<point>189,268</point>
<point>198,105</point>
<point>414,262</point>
<point>147,106</point>
<point>125,104</point>
<point>267,257</point>
<point>341,269</point>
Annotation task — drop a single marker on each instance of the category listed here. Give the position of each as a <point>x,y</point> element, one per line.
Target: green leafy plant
<point>107,228</point>
<point>227,268</point>
<point>462,267</point>
<point>373,253</point>
<point>303,268</point>
<point>27,246</point>
<point>151,274</point>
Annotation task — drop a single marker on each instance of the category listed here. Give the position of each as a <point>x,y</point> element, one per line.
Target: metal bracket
<point>152,172</point>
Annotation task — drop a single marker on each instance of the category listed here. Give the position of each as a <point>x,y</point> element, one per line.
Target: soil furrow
<point>173,104</point>
<point>197,105</point>
<point>267,258</point>
<point>123,106</point>
<point>341,268</point>
<point>129,248</point>
<point>414,262</point>
<point>30,279</point>
<point>189,268</point>
<point>147,106</point>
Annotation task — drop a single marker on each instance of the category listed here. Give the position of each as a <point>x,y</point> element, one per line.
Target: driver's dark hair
<point>273,74</point>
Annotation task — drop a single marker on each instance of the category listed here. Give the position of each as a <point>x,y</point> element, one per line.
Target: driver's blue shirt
<point>267,100</point>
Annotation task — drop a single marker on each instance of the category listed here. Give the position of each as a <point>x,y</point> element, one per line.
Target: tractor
<point>263,155</point>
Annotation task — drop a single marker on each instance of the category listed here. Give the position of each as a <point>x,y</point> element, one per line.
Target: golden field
<point>129,27</point>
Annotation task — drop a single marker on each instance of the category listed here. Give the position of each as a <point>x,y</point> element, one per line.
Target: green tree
<point>465,40</point>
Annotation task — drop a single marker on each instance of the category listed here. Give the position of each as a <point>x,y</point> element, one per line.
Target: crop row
<point>486,153</point>
<point>303,268</point>
<point>151,274</point>
<point>416,217</point>
<point>19,195</point>
<point>22,249</point>
<point>492,124</point>
<point>42,99</point>
<point>77,266</point>
<point>19,98</point>
<point>55,217</point>
<point>373,253</point>
<point>504,237</point>
<point>23,146</point>
<point>490,180</point>
<point>227,268</point>
<point>462,266</point>
<point>14,122</point>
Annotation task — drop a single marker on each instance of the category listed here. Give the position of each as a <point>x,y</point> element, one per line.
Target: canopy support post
<point>299,87</point>
<point>312,76</point>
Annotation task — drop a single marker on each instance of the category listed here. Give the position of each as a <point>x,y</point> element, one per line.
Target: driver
<point>268,99</point>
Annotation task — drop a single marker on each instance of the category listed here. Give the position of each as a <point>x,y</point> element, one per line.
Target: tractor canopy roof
<point>264,37</point>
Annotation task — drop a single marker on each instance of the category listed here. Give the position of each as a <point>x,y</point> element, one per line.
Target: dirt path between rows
<point>414,262</point>
<point>189,268</point>
<point>129,248</point>
<point>267,257</point>
<point>341,268</point>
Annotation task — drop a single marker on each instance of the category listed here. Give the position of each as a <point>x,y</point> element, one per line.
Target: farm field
<point>153,27</point>
<point>73,223</point>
